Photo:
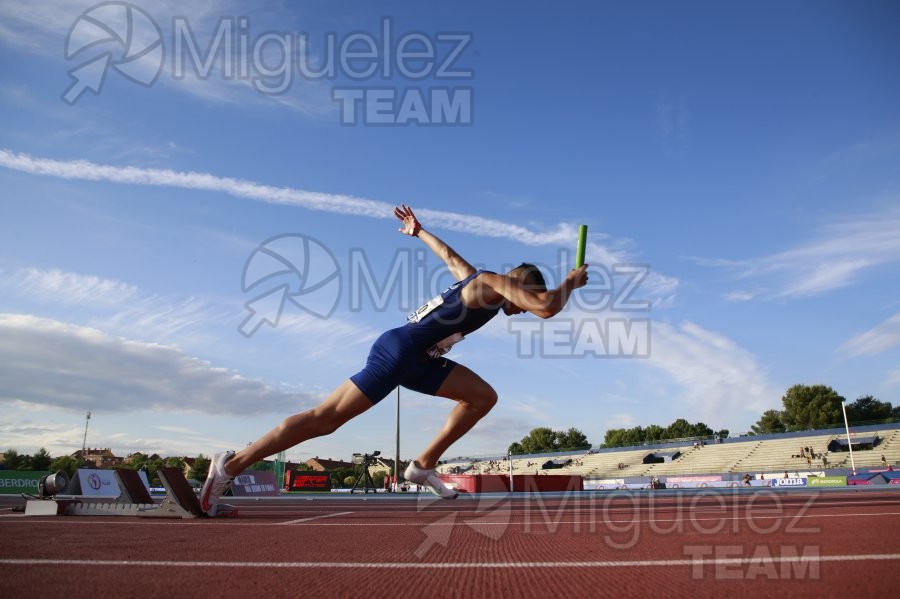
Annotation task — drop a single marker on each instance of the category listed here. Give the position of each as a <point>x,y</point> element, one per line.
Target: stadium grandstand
<point>763,457</point>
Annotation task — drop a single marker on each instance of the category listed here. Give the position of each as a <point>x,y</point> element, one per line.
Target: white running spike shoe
<point>429,479</point>
<point>216,482</point>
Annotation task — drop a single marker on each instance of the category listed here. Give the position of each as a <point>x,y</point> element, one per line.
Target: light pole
<point>849,440</point>
<point>396,486</point>
<point>87,420</point>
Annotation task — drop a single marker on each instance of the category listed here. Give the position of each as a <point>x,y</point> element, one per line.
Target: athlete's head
<point>530,278</point>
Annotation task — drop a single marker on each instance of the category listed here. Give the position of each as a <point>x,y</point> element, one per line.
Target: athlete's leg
<point>344,403</point>
<point>474,398</point>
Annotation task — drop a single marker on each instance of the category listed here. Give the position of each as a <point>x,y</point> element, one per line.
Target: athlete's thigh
<point>344,403</point>
<point>463,384</point>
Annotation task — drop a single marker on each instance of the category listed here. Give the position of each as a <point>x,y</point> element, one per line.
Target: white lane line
<point>755,560</point>
<point>302,520</point>
<point>503,520</point>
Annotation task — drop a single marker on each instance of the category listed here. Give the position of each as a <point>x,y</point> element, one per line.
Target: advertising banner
<point>14,482</point>
<point>94,483</point>
<point>789,482</point>
<point>255,484</point>
<point>307,481</point>
<point>693,479</point>
<point>827,481</point>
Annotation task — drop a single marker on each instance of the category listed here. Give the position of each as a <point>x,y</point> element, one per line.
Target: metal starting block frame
<point>134,500</point>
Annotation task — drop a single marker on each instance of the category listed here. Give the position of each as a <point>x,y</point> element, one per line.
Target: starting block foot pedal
<point>180,501</point>
<point>134,500</point>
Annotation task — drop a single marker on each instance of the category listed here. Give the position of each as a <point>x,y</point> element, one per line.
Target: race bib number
<point>426,309</point>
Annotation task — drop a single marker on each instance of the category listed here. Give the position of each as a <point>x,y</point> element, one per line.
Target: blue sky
<point>742,156</point>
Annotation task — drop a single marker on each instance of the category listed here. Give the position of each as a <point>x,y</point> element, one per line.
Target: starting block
<point>134,500</point>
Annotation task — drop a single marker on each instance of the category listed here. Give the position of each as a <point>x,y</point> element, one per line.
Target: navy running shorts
<point>395,361</point>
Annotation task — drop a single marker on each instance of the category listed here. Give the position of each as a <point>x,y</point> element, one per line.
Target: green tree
<point>11,459</point>
<point>41,460</point>
<point>135,461</point>
<point>67,463</point>
<point>200,468</point>
<point>546,440</point>
<point>867,409</point>
<point>624,437</point>
<point>540,440</point>
<point>680,429</point>
<point>339,476</point>
<point>769,422</point>
<point>24,462</point>
<point>174,462</point>
<point>811,407</point>
<point>572,439</point>
<point>654,432</point>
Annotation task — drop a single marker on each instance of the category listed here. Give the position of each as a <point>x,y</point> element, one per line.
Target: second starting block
<point>133,500</point>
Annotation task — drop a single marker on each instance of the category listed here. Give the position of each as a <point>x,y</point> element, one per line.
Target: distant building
<point>102,458</point>
<point>325,465</point>
<point>386,465</point>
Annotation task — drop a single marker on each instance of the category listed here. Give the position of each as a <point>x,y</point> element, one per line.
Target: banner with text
<point>14,482</point>
<point>789,482</point>
<point>255,484</point>
<point>827,481</point>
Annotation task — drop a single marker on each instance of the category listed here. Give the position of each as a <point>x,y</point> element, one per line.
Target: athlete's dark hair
<point>533,277</point>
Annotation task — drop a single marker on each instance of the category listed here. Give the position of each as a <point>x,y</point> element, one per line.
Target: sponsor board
<point>693,479</point>
<point>827,481</point>
<point>789,482</point>
<point>255,484</point>
<point>94,483</point>
<point>14,482</point>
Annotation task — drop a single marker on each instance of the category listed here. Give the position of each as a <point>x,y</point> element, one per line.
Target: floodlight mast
<point>396,485</point>
<point>849,441</point>
<point>87,420</point>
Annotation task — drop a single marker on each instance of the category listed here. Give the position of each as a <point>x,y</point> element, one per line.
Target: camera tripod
<point>364,460</point>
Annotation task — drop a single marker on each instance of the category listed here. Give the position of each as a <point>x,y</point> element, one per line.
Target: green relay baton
<point>582,242</point>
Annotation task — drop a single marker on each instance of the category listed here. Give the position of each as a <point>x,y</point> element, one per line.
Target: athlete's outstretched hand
<point>411,224</point>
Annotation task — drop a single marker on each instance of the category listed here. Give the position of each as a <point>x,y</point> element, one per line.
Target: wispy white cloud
<point>893,377</point>
<point>838,257</point>
<point>50,363</point>
<point>71,288</point>
<point>620,420</point>
<point>742,296</point>
<point>712,376</point>
<point>84,170</point>
<point>660,287</point>
<point>326,339</point>
<point>719,379</point>
<point>673,122</point>
<point>41,28</point>
<point>115,306</point>
<point>876,340</point>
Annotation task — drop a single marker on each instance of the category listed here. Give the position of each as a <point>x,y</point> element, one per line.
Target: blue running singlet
<point>411,355</point>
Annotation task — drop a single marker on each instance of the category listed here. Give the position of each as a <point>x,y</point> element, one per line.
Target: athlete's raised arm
<point>520,296</point>
<point>411,226</point>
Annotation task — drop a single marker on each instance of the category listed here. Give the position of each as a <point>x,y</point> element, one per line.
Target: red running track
<point>759,544</point>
